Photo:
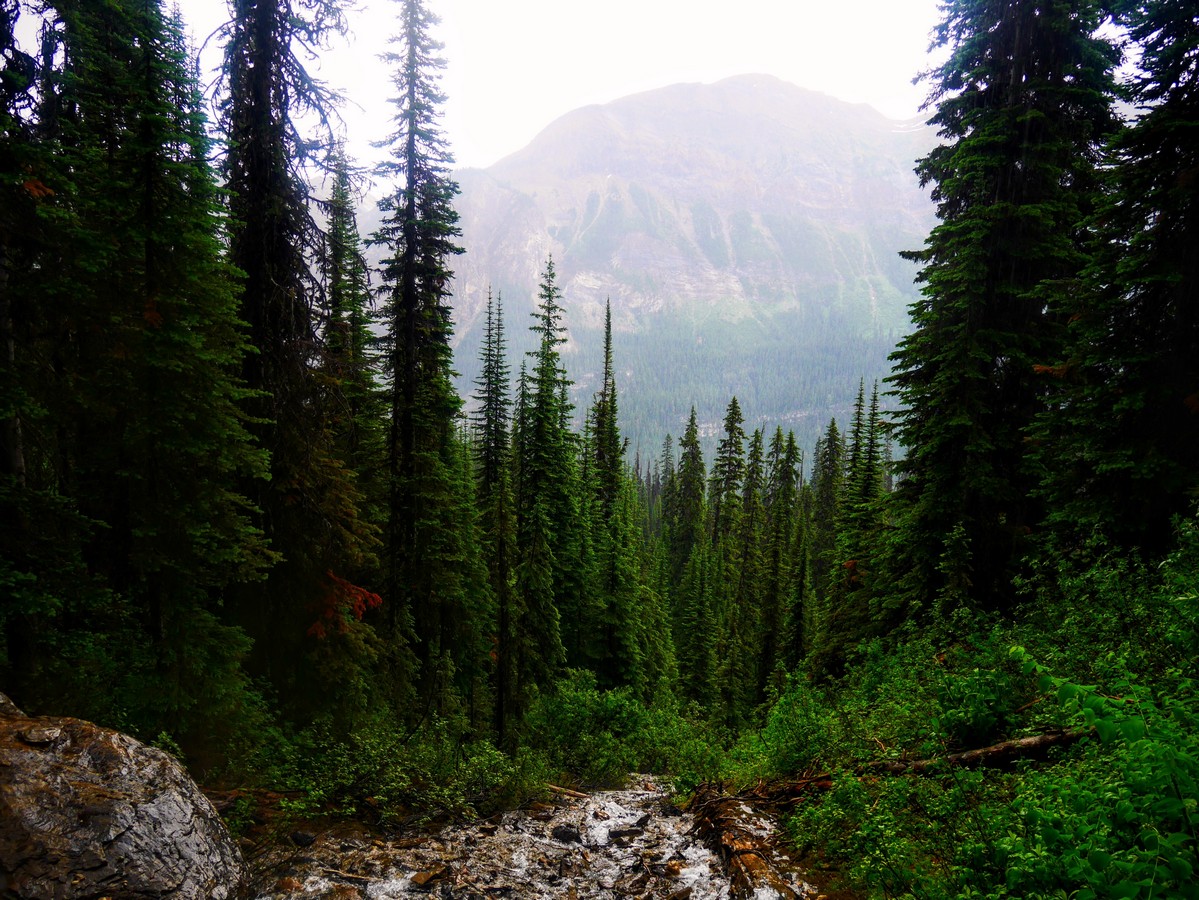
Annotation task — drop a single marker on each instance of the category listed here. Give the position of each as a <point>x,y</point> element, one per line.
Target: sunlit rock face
<point>87,812</point>
<point>747,234</point>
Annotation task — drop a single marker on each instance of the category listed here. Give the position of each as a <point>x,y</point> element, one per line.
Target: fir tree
<point>740,657</point>
<point>493,453</point>
<point>549,509</point>
<point>779,586</point>
<point>426,549</point>
<point>1118,445</point>
<point>1022,103</point>
<point>348,362</point>
<point>607,446</point>
<point>728,469</point>
<point>148,443</point>
<point>311,506</point>
<point>827,495</point>
<point>684,502</point>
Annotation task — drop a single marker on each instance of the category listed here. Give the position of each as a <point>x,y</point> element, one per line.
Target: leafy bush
<point>600,736</point>
<point>381,772</point>
<point>1114,816</point>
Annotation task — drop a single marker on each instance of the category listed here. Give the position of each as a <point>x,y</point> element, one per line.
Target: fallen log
<point>996,756</point>
<point>567,792</point>
<point>744,843</point>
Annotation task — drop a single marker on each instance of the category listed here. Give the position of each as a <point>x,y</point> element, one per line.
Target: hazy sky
<point>513,66</point>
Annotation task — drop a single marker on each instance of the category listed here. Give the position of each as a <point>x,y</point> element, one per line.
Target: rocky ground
<point>628,843</point>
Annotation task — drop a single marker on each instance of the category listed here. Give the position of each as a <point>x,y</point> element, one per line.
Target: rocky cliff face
<point>750,195</point>
<point>746,232</point>
<point>88,812</point>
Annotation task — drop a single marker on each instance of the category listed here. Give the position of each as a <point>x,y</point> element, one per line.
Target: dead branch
<point>567,792</point>
<point>993,757</point>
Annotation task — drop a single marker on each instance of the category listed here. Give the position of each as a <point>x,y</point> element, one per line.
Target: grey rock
<point>89,812</point>
<point>567,834</point>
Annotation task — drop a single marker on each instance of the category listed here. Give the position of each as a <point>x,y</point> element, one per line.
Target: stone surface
<point>87,812</point>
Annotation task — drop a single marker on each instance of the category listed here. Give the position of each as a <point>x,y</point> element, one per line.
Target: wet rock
<point>567,834</point>
<point>606,845</point>
<point>624,835</point>
<point>633,883</point>
<point>429,876</point>
<point>90,812</point>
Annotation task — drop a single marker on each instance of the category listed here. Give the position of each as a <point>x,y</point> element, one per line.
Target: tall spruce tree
<point>1119,443</point>
<point>683,504</point>
<point>824,527</point>
<point>728,470</point>
<point>607,447</point>
<point>778,585</point>
<point>144,442</point>
<point>311,507</point>
<point>1023,102</point>
<point>615,536</point>
<point>426,564</point>
<point>549,510</point>
<point>740,655</point>
<point>348,360</point>
<point>497,513</point>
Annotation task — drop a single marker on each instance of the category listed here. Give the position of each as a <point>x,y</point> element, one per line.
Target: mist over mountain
<point>746,232</point>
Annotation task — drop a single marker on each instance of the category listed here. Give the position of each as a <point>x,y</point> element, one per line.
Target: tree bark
<point>12,442</point>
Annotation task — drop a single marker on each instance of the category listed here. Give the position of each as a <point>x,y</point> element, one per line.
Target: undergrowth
<point>1102,646</point>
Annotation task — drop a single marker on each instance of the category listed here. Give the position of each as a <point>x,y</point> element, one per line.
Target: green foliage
<point>1127,823</point>
<point>601,736</point>
<point>1114,815</point>
<point>239,815</point>
<point>383,773</point>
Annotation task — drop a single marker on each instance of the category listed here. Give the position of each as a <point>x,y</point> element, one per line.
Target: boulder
<point>90,812</point>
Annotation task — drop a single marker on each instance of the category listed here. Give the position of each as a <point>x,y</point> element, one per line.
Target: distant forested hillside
<point>746,232</point>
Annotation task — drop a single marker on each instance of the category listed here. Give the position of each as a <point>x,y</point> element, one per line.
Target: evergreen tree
<point>616,535</point>
<point>728,470</point>
<point>778,587</point>
<point>828,488</point>
<point>548,504</point>
<point>497,512</point>
<point>849,613</point>
<point>426,548</point>
<point>311,507</point>
<point>696,628</point>
<point>741,656</point>
<point>348,362</point>
<point>683,505</point>
<point>1118,446</point>
<point>1022,103</point>
<point>607,447</point>
<point>19,194</point>
<point>146,442</point>
<point>863,492</point>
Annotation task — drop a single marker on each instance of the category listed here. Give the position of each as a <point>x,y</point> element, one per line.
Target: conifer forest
<point>246,516</point>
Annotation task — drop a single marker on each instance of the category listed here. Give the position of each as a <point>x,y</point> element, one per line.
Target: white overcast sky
<point>513,66</point>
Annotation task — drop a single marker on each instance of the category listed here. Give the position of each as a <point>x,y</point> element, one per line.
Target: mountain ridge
<point>718,219</point>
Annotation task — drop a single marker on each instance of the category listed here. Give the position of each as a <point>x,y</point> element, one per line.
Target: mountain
<point>747,233</point>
